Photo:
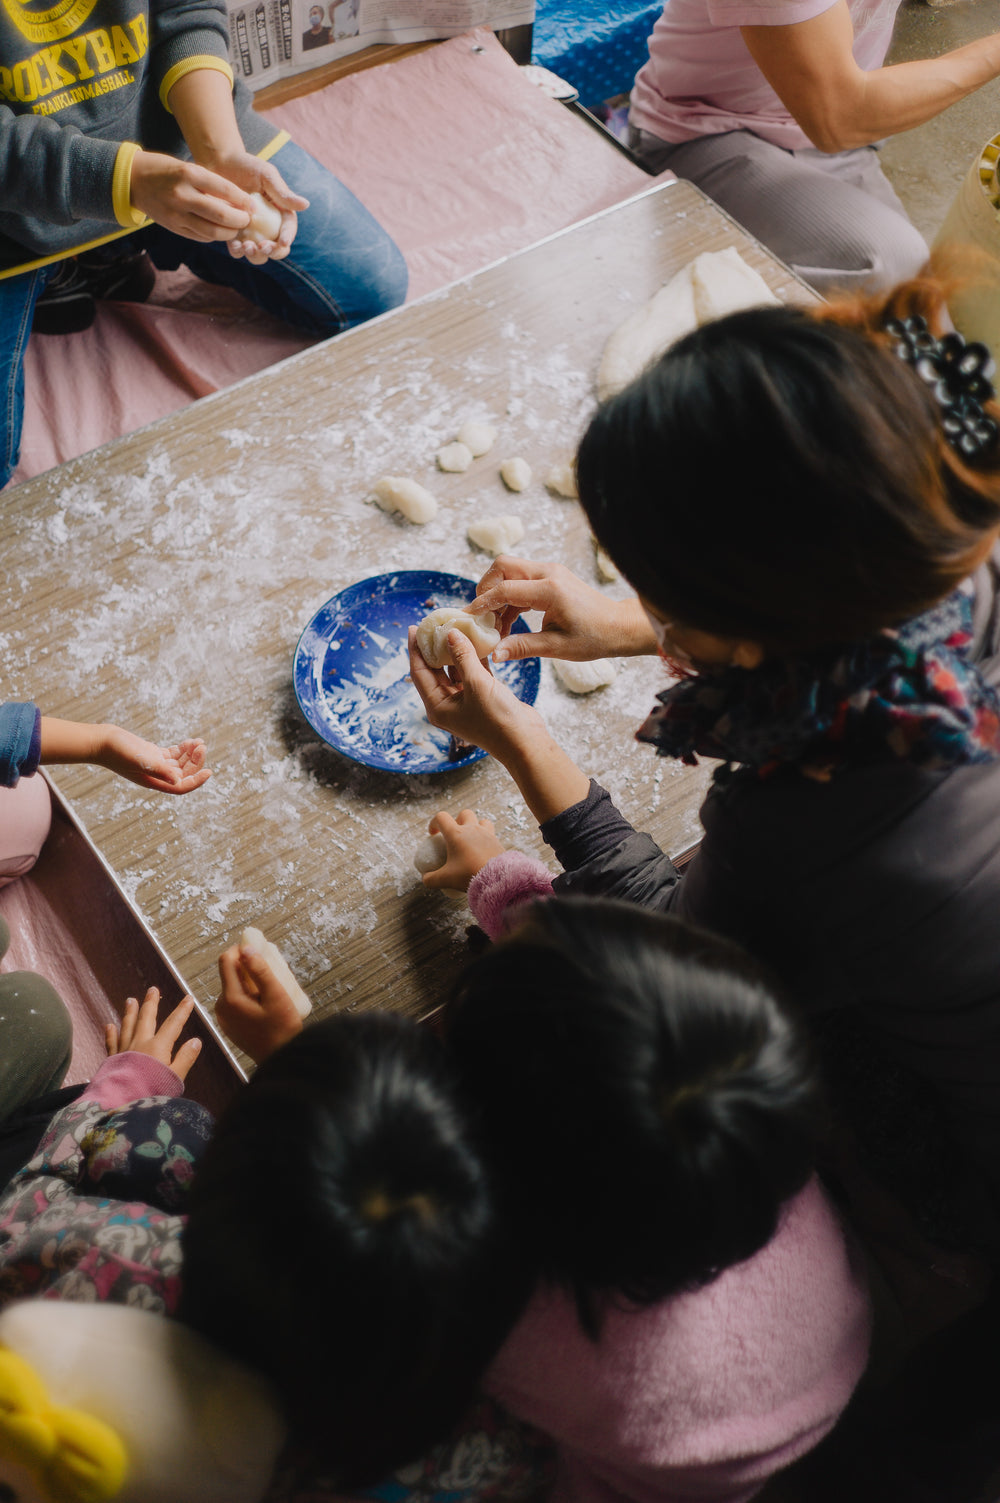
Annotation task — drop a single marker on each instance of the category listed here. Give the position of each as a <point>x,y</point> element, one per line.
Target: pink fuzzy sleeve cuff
<point>129,1077</point>
<point>504,885</point>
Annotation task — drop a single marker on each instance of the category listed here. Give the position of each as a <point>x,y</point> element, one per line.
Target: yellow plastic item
<point>75,1458</point>
<point>970,240</point>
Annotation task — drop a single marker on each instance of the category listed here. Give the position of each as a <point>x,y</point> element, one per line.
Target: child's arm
<point>479,708</point>
<point>208,198</point>
<point>498,881</point>
<point>602,851</point>
<point>602,854</point>
<point>254,1010</point>
<point>172,769</point>
<point>202,102</point>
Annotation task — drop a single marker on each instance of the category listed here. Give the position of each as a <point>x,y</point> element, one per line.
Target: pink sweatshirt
<point>705,1395</point>
<point>701,80</point>
<point>128,1077</point>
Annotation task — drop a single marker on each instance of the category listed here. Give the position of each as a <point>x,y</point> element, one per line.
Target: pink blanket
<point>70,924</point>
<point>460,157</point>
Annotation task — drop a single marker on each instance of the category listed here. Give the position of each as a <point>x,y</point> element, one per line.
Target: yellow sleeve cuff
<point>192,65</point>
<point>121,187</point>
<point>267,152</point>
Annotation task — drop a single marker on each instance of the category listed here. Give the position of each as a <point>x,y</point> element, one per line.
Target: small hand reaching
<point>138,1032</point>
<point>471,842</point>
<point>172,769</point>
<point>254,1009</point>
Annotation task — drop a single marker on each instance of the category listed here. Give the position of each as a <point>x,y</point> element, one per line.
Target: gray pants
<point>36,1035</point>
<point>833,218</point>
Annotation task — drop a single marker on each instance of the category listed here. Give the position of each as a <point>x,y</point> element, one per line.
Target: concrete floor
<point>927,165</point>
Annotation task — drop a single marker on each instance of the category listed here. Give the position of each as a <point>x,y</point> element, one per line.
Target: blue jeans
<point>18,296</point>
<point>342,269</point>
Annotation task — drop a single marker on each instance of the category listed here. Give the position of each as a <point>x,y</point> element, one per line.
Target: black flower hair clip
<point>958,376</point>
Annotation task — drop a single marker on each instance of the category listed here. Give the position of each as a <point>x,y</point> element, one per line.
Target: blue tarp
<point>597,47</point>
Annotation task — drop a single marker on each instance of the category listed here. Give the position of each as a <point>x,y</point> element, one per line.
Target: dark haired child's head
<point>648,1099</point>
<point>780,475</point>
<point>344,1239</point>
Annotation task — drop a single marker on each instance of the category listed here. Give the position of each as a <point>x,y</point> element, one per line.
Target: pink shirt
<point>701,80</point>
<point>705,1395</point>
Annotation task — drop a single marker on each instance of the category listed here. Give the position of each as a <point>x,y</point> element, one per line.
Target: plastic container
<point>972,231</point>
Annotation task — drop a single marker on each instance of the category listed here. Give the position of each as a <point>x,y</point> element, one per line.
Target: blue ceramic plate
<point>351,671</point>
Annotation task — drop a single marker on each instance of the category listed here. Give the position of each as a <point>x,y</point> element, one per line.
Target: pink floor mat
<point>70,924</point>
<point>455,152</point>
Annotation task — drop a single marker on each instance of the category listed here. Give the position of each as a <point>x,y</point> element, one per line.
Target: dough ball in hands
<point>253,939</point>
<point>431,853</point>
<point>265,220</point>
<point>432,634</point>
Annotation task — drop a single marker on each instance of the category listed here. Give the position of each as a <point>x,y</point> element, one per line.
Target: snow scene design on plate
<point>351,671</point>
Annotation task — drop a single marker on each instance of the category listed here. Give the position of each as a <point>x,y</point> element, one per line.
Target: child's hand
<point>255,176</point>
<point>471,843</point>
<point>138,1033</point>
<point>172,769</point>
<point>468,701</point>
<point>254,1010</point>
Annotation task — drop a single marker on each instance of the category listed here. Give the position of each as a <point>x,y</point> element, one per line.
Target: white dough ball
<point>562,479</point>
<point>606,566</point>
<point>399,493</point>
<point>496,534</point>
<point>265,220</point>
<point>515,474</point>
<point>584,678</point>
<point>431,853</point>
<point>432,634</point>
<point>253,939</point>
<point>455,457</point>
<point>477,437</point>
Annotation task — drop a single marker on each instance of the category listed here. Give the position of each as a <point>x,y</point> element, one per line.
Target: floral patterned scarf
<point>909,693</point>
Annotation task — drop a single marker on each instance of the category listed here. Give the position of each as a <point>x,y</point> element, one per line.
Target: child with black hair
<point>346,1240</point>
<point>338,1230</point>
<point>701,1320</point>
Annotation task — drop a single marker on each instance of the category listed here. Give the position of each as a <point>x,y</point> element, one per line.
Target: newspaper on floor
<point>272,39</point>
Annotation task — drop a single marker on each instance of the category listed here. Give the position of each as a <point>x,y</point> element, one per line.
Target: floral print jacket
<point>97,1214</point>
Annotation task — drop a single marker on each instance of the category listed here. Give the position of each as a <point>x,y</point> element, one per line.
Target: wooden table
<point>162,582</point>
